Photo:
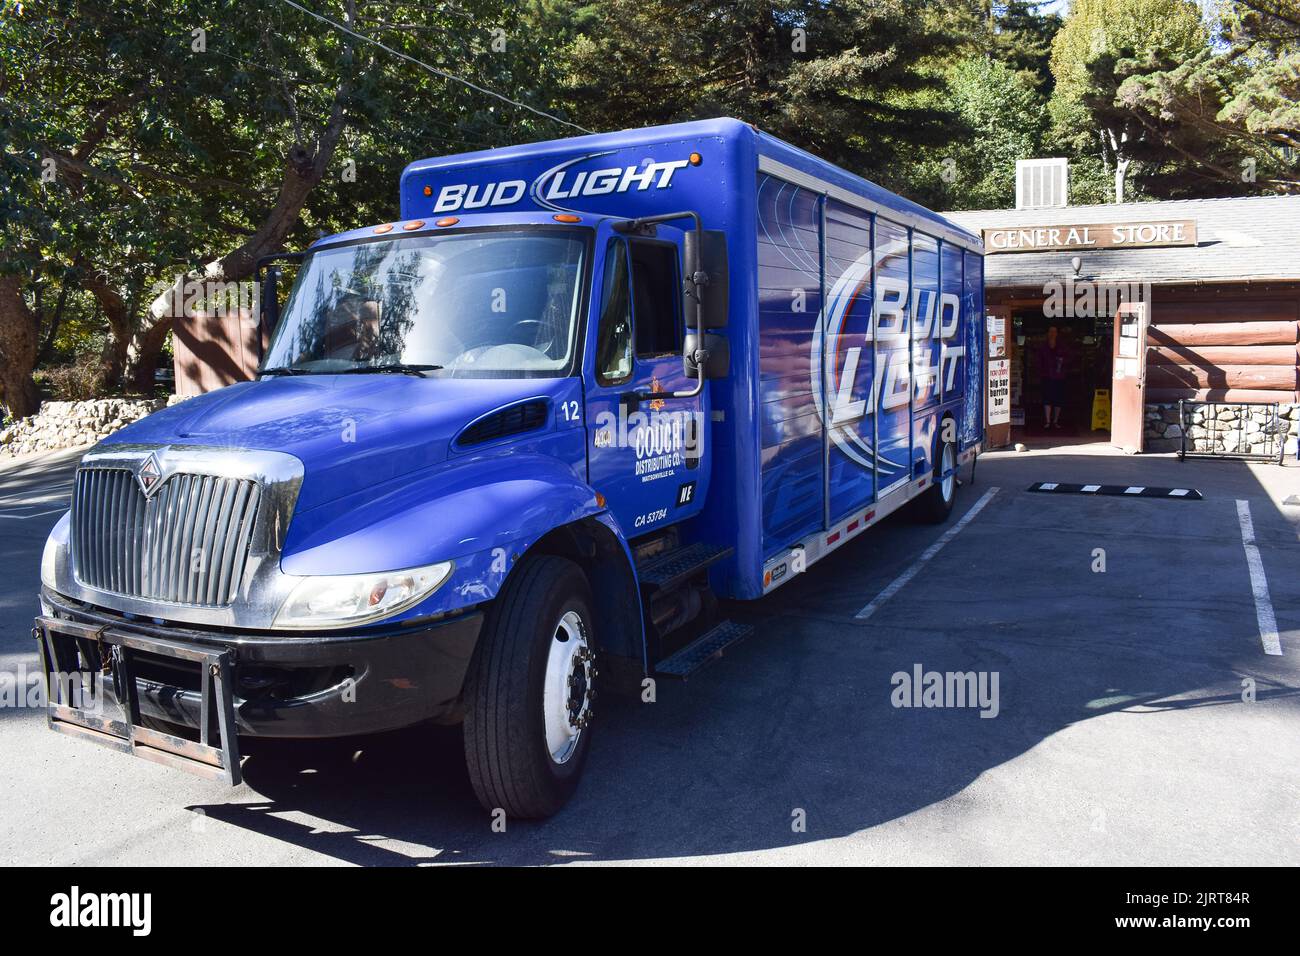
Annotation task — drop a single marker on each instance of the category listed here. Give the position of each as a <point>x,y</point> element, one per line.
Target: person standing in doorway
<point>1053,360</point>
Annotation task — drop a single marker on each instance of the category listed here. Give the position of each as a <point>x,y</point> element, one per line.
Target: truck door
<point>645,449</point>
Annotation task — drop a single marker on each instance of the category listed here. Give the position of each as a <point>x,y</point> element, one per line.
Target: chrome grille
<point>187,544</point>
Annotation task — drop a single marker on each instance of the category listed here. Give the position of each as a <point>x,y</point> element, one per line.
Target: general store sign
<point>1104,235</point>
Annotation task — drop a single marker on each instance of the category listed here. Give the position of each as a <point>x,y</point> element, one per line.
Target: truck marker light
<point>417,224</point>
<point>696,159</point>
<point>853,526</point>
<point>600,500</point>
<point>566,217</point>
<point>428,190</point>
<point>447,221</point>
<point>380,230</point>
<point>833,538</point>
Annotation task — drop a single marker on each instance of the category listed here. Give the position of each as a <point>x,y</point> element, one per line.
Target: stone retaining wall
<point>1228,428</point>
<point>71,424</point>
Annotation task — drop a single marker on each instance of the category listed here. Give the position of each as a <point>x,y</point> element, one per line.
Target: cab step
<point>666,570</point>
<point>702,650</point>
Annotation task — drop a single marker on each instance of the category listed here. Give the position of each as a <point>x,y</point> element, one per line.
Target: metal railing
<point>1232,436</point>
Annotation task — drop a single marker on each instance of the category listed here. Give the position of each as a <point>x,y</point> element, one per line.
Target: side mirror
<point>267,276</point>
<point>710,257</point>
<point>268,305</point>
<point>716,364</point>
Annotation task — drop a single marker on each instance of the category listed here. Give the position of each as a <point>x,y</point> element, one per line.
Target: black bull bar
<point>65,645</point>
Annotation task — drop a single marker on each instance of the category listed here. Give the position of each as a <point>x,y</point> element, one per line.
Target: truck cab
<point>502,452</point>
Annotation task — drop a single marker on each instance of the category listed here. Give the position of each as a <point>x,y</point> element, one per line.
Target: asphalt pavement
<point>1138,717</point>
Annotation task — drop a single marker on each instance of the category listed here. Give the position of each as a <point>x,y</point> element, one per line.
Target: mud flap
<point>65,645</point>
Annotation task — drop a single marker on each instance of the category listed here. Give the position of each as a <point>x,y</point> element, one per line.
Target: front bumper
<point>299,684</point>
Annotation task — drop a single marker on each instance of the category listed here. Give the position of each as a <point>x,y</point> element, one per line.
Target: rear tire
<point>530,689</point>
<point>935,505</point>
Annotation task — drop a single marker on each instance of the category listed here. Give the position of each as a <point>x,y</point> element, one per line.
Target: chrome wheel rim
<point>949,483</point>
<point>567,692</point>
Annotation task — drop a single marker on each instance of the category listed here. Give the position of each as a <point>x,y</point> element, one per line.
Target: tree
<point>1022,40</point>
<point>1097,36</point>
<point>1230,116</point>
<point>1006,120</point>
<point>844,80</point>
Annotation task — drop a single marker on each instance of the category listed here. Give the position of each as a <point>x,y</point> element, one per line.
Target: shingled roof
<point>1253,238</point>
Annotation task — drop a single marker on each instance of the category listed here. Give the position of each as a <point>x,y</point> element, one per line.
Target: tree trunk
<point>119,327</point>
<point>1121,171</point>
<point>149,346</point>
<point>19,345</point>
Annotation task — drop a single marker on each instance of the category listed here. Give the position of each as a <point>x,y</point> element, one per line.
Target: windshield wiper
<point>399,368</point>
<point>285,370</point>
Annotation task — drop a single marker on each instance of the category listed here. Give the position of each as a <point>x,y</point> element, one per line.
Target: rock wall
<point>1223,428</point>
<point>71,424</point>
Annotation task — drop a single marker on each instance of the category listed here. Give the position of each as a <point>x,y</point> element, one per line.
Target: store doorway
<point>1060,376</point>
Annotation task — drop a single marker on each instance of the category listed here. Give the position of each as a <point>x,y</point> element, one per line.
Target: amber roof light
<point>447,221</point>
<point>380,230</point>
<point>566,217</point>
<point>416,224</point>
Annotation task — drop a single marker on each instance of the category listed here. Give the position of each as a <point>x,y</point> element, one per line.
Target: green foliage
<point>1226,119</point>
<point>1144,82</point>
<point>1096,35</point>
<point>1022,41</point>
<point>844,80</point>
<point>1005,118</point>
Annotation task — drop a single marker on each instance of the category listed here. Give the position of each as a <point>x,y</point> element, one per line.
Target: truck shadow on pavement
<point>797,722</point>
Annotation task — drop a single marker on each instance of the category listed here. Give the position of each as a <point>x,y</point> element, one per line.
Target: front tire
<point>527,728</point>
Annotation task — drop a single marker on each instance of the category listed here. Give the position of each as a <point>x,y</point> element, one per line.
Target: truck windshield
<point>472,304</point>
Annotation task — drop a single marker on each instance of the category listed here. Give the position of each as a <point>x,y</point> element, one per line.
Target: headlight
<point>339,600</point>
<point>48,561</point>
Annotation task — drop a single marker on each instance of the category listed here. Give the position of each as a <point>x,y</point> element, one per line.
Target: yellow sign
<point>1101,409</point>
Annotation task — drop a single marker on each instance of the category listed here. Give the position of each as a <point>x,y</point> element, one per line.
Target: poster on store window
<point>997,327</point>
<point>999,391</point>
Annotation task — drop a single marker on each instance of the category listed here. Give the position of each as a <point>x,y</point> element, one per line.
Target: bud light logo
<point>905,362</point>
<point>561,183</point>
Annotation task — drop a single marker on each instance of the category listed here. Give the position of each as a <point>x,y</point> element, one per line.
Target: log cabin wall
<point>1229,343</point>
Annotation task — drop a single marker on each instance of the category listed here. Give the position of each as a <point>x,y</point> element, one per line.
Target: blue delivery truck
<point>513,447</point>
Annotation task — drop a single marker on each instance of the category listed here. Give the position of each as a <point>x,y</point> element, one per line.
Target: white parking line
<point>901,581</point>
<point>1268,635</point>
